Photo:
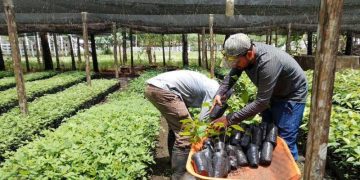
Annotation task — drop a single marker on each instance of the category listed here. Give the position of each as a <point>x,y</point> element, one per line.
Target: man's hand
<point>217,100</point>
<point>220,123</point>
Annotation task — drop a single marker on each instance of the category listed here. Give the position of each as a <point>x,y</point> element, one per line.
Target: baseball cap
<point>237,44</point>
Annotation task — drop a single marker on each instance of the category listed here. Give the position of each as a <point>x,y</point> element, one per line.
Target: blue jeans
<point>287,116</point>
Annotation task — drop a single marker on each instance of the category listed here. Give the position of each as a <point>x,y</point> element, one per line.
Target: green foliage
<point>6,74</point>
<point>8,82</point>
<point>15,128</point>
<point>35,88</point>
<point>113,140</point>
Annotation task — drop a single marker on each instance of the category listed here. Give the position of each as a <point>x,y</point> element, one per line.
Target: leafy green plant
<point>113,140</point>
<point>6,74</point>
<point>16,128</point>
<point>8,82</point>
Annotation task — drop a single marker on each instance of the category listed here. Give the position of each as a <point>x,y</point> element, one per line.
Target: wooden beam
<point>78,52</point>
<point>276,37</point>
<point>26,55</point>
<point>123,33</point>
<point>309,43</point>
<point>204,61</point>
<point>46,54</point>
<point>199,50</point>
<point>15,53</point>
<point>73,63</point>
<point>163,49</point>
<point>56,53</point>
<point>212,58</point>
<point>322,91</point>
<point>342,62</point>
<point>93,53</point>
<point>270,36</point>
<point>288,39</point>
<point>185,57</point>
<point>349,43</point>
<point>115,43</point>
<point>132,52</point>
<point>86,47</point>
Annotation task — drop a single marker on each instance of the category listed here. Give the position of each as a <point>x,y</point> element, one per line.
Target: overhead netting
<point>173,16</point>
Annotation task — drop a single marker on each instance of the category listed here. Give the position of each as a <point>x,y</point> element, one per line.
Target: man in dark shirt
<point>280,81</point>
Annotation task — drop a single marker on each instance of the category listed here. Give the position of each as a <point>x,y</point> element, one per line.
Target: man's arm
<point>229,81</point>
<point>268,76</point>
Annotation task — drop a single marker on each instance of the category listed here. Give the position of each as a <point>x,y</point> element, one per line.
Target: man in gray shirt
<point>172,93</point>
<point>281,84</point>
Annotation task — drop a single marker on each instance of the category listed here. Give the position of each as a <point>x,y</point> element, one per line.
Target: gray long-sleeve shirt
<point>277,76</point>
<point>192,87</point>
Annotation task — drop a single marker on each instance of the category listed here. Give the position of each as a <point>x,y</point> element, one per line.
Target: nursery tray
<point>282,167</point>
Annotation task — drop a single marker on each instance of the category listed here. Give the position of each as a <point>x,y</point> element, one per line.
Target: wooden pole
<point>199,50</point>
<point>120,54</point>
<point>267,37</point>
<point>309,44</point>
<point>37,49</point>
<point>276,37</point>
<point>78,49</point>
<point>229,10</point>
<point>288,39</point>
<point>132,52</point>
<point>321,101</point>
<point>185,57</point>
<point>26,56</point>
<point>349,40</point>
<point>2,62</point>
<point>56,52</point>
<point>204,62</point>
<point>212,58</point>
<point>93,53</point>
<point>123,33</point>
<point>86,47</point>
<point>46,54</point>
<point>163,48</point>
<point>169,50</point>
<point>116,66</point>
<point>15,53</point>
<point>270,37</point>
<point>73,63</point>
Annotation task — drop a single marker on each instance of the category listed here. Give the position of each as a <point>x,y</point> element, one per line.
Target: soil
<point>161,169</point>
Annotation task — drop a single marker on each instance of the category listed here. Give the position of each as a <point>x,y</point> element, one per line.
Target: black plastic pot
<point>220,164</point>
<point>241,157</point>
<point>201,163</point>
<point>246,138</point>
<point>272,132</point>
<point>218,111</point>
<point>253,155</point>
<point>219,146</point>
<point>235,139</point>
<point>263,126</point>
<point>266,153</point>
<point>256,137</point>
<point>208,144</point>
<point>208,156</point>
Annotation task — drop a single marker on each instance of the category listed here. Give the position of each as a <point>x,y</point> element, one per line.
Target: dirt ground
<point>162,170</point>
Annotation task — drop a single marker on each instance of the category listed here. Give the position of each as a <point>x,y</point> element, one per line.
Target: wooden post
<point>323,83</point>
<point>132,52</point>
<point>116,66</point>
<point>26,56</point>
<point>204,61</point>
<point>46,54</point>
<point>78,49</point>
<point>86,47</point>
<point>15,53</point>
<point>349,40</point>
<point>212,58</point>
<point>56,52</point>
<point>309,44</point>
<point>270,37</point>
<point>229,8</point>
<point>73,64</point>
<point>163,48</point>
<point>199,51</point>
<point>2,62</point>
<point>185,57</point>
<point>124,46</point>
<point>169,49</point>
<point>37,49</point>
<point>120,54</point>
<point>288,39</point>
<point>93,53</point>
